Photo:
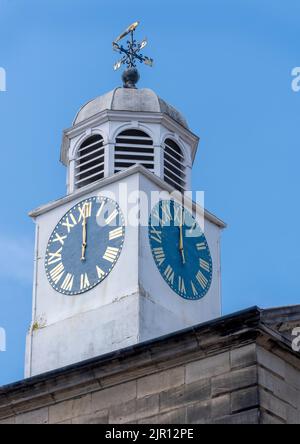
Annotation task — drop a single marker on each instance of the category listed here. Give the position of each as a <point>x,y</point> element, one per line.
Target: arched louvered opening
<point>89,161</point>
<point>174,170</point>
<point>133,147</point>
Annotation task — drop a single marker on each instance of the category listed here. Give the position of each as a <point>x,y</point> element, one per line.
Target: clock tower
<point>121,259</point>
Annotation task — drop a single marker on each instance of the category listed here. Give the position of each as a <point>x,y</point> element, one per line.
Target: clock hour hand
<point>84,244</point>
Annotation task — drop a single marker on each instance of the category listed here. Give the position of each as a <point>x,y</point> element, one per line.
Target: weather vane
<point>131,55</point>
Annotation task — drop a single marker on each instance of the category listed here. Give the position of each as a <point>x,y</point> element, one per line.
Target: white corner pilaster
<point>158,161</point>
<point>71,177</point>
<point>109,160</point>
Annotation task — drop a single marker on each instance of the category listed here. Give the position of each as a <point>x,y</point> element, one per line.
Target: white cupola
<point>125,127</point>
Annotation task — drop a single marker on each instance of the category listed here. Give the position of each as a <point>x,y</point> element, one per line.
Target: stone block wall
<point>217,389</point>
<point>202,375</point>
<point>279,389</point>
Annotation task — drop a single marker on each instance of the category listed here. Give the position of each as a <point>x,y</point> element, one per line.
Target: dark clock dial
<point>85,246</point>
<point>180,250</point>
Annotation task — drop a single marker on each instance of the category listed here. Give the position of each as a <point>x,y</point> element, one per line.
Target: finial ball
<point>130,77</point>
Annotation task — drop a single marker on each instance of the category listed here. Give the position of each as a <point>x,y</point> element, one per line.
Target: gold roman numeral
<point>101,208</point>
<point>166,213</point>
<point>59,238</point>
<point>68,282</point>
<point>100,272</point>
<point>111,254</point>
<point>181,285</point>
<point>204,265</point>
<point>195,292</point>
<point>202,279</point>
<point>84,281</point>
<point>112,217</point>
<point>170,275</point>
<point>57,273</point>
<point>155,216</point>
<point>85,211</point>
<point>114,234</point>
<point>155,234</point>
<point>178,215</point>
<point>192,231</point>
<point>159,255</point>
<point>55,257</point>
<point>69,224</point>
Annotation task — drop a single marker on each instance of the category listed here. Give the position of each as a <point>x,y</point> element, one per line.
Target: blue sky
<point>226,64</point>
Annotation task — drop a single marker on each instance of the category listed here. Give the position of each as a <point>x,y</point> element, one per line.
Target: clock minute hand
<point>84,244</point>
<point>181,246</point>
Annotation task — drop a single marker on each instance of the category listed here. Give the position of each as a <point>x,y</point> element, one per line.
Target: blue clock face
<point>180,250</point>
<point>85,246</point>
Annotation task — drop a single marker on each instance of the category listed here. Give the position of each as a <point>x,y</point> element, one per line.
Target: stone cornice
<point>191,344</point>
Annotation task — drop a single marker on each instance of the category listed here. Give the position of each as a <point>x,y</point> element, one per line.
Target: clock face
<point>180,250</point>
<point>85,246</point>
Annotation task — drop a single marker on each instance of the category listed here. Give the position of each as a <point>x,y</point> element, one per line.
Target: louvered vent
<point>133,147</point>
<point>89,162</point>
<point>174,170</point>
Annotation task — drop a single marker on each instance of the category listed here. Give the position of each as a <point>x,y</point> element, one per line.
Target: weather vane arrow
<point>131,55</point>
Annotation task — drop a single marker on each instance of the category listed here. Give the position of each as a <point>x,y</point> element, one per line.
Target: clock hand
<point>181,246</point>
<point>84,243</point>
